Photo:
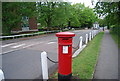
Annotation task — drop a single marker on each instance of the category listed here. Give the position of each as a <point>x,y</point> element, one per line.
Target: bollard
<point>90,36</point>
<point>93,33</point>
<point>1,75</point>
<point>80,44</point>
<point>86,41</point>
<point>44,65</point>
<point>96,32</point>
<point>64,55</point>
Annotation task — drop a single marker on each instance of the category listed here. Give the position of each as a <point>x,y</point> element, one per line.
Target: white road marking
<point>6,52</point>
<point>18,46</point>
<point>31,45</point>
<point>8,45</point>
<point>51,42</point>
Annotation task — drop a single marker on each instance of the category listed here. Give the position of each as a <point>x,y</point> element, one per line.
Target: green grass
<point>116,38</point>
<point>83,65</point>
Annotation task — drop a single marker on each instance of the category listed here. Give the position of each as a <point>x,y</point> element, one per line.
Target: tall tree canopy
<point>53,13</point>
<point>64,14</point>
<point>111,12</point>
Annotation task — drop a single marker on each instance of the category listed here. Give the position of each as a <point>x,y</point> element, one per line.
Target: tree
<point>84,15</point>
<point>61,14</point>
<point>12,12</point>
<point>53,13</point>
<point>89,16</point>
<point>101,22</point>
<point>111,12</point>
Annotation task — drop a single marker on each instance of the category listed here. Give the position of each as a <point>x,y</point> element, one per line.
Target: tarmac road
<point>21,57</point>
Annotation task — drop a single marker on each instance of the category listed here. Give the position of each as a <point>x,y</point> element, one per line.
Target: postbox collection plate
<point>65,49</point>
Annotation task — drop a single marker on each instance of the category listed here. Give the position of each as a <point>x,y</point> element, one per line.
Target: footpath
<point>107,66</point>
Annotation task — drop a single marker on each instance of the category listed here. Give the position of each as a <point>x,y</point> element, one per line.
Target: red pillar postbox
<point>65,54</point>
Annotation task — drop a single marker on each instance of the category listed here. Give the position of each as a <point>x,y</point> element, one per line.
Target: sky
<point>86,2</point>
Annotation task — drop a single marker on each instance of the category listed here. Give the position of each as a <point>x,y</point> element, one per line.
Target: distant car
<point>86,28</point>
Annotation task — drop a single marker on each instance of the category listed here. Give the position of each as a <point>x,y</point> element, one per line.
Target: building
<point>96,25</point>
<point>26,25</point>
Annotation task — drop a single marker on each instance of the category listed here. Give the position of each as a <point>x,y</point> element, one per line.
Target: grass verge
<point>116,38</point>
<point>84,64</point>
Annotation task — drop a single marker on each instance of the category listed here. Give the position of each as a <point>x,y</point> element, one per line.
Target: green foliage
<point>101,22</point>
<point>81,17</point>
<point>116,37</point>
<point>116,30</point>
<point>111,11</point>
<point>63,14</point>
<point>9,16</point>
<point>12,12</point>
<point>53,13</point>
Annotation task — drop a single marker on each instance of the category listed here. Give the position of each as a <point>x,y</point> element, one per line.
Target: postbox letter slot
<point>65,39</point>
<point>65,49</point>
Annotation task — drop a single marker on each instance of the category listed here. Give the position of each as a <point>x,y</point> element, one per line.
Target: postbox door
<point>65,59</point>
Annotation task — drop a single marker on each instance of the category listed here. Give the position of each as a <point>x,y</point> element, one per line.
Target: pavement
<point>107,66</point>
<point>21,57</point>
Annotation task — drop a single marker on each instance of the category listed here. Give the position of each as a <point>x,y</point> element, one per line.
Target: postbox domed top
<point>65,34</point>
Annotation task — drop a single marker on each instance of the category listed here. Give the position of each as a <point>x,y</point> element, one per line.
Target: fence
<point>25,35</point>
